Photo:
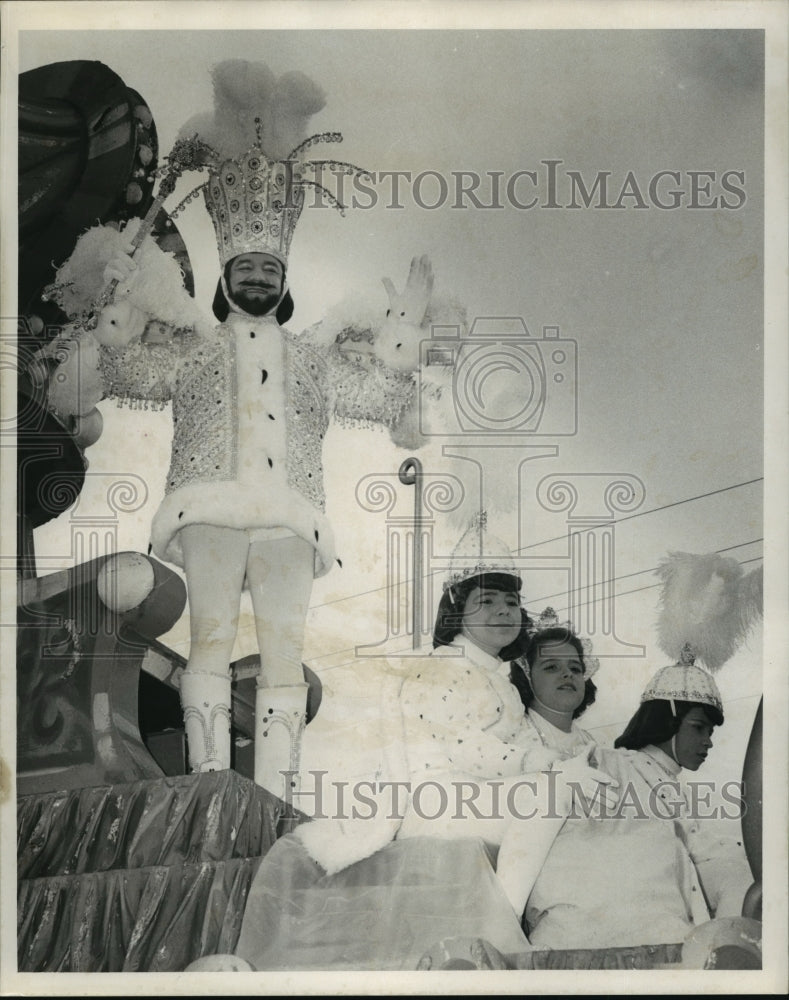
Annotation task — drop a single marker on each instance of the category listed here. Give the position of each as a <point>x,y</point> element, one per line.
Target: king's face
<point>254,281</point>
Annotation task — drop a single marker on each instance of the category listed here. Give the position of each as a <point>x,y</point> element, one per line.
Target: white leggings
<point>279,573</point>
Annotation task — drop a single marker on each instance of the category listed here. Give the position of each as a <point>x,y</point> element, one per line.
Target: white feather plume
<point>245,92</point>
<point>752,593</point>
<point>708,603</point>
<point>155,286</point>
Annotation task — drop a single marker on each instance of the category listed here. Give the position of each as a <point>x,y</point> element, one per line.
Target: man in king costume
<point>244,500</point>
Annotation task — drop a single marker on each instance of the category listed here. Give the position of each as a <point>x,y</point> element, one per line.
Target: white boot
<point>206,700</point>
<point>280,717</point>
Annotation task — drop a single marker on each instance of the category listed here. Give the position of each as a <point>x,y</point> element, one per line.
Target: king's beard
<point>255,302</point>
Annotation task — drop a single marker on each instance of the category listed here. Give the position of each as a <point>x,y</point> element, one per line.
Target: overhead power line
<point>653,510</point>
<point>640,572</point>
<point>636,590</point>
<point>624,593</point>
<point>629,517</point>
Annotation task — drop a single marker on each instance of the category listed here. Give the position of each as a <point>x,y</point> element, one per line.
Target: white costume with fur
<point>457,718</point>
<point>249,412</point>
<point>463,717</point>
<point>251,405</point>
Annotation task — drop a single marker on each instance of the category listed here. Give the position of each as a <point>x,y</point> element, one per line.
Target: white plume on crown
<point>250,101</point>
<point>708,603</point>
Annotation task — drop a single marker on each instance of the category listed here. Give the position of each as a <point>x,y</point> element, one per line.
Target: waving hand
<point>410,305</point>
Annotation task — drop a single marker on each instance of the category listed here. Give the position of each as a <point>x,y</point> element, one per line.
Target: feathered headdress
<point>707,606</point>
<point>250,99</point>
<point>255,141</point>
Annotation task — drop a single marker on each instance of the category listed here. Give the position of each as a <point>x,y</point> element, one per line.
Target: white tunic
<point>262,416</point>
<point>631,878</point>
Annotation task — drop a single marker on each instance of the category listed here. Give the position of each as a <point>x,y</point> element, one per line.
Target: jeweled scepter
<point>186,154</point>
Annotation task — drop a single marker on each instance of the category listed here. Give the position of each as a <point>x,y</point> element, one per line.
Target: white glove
<point>120,268</point>
<point>411,305</point>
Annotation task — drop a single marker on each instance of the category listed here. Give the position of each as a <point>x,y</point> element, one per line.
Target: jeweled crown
<point>684,681</point>
<point>255,202</point>
<point>253,207</point>
<point>549,619</point>
<point>478,553</point>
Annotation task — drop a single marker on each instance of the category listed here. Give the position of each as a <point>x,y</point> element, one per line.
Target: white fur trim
<point>155,286</point>
<point>336,844</point>
<point>232,504</point>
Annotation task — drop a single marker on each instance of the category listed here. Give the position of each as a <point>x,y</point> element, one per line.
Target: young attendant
<point>554,680</point>
<point>465,744</point>
<point>465,731</point>
<point>647,872</point>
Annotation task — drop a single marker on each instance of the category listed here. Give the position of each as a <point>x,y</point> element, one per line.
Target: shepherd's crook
<point>410,474</point>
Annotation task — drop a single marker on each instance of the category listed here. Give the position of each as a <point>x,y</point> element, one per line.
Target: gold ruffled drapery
<point>146,876</point>
<point>141,920</point>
